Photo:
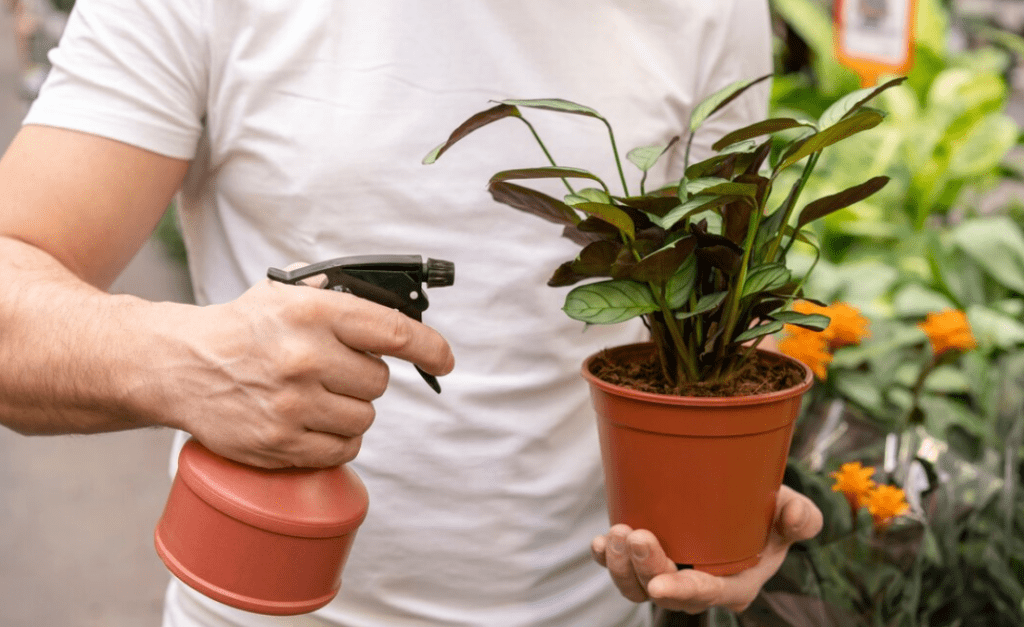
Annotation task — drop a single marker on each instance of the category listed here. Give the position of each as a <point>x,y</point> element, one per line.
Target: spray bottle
<point>275,541</point>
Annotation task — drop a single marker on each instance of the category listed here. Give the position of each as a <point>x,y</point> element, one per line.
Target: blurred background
<point>946,432</point>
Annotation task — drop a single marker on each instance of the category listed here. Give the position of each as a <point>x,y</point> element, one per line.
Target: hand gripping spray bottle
<point>275,541</point>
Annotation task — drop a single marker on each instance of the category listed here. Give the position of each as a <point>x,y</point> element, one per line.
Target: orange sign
<point>875,37</point>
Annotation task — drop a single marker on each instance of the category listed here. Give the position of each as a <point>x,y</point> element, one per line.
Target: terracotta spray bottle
<point>275,541</point>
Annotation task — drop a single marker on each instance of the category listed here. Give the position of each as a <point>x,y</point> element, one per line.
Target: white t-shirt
<point>306,121</point>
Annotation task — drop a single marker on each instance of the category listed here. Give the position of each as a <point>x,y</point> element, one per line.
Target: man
<point>293,130</point>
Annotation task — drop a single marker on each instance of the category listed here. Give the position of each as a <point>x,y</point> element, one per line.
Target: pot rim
<point>700,401</point>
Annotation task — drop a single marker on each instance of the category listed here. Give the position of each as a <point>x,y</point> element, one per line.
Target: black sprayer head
<point>394,281</point>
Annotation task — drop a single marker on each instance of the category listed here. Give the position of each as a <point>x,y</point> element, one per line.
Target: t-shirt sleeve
<point>130,70</point>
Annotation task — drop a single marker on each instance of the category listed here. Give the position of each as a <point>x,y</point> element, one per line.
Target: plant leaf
<point>719,99</point>
<point>590,194</point>
<point>861,121</point>
<point>764,127</point>
<point>532,201</point>
<point>813,322</point>
<point>852,102</point>
<point>707,303</point>
<point>473,123</point>
<point>609,302</point>
<point>766,278</point>
<point>645,157</point>
<point>826,205</point>
<point>680,285</point>
<point>997,245</point>
<point>660,265</point>
<point>721,256</point>
<point>596,259</point>
<point>653,206</point>
<point>548,172</point>
<point>610,214</point>
<point>555,104</point>
<point>755,332</point>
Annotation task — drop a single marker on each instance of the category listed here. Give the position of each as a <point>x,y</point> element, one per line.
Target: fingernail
<point>617,545</point>
<point>639,550</point>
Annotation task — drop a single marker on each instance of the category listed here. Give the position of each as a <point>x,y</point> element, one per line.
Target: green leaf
<point>758,331</point>
<point>589,194</point>
<point>693,206</point>
<point>826,205</point>
<point>609,302</point>
<point>766,278</point>
<point>473,123</point>
<point>680,286</point>
<point>719,99</point>
<point>861,121</point>
<point>548,172</point>
<point>645,157</point>
<point>610,214</point>
<point>708,302</point>
<point>534,202</point>
<point>916,301</point>
<point>555,104</point>
<point>991,328</point>
<point>984,147</point>
<point>764,127</point>
<point>695,186</point>
<point>731,188</point>
<point>997,245</point>
<point>813,322</point>
<point>852,102</point>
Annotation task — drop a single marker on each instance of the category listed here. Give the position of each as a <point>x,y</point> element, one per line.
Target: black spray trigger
<point>394,281</point>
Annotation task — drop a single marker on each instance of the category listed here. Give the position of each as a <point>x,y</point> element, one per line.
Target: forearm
<point>72,355</point>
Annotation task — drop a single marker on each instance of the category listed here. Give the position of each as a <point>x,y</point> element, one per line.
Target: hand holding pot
<point>285,375</point>
<point>642,571</point>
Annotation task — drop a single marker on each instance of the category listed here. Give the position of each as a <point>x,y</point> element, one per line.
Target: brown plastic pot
<point>700,473</point>
<point>266,541</point>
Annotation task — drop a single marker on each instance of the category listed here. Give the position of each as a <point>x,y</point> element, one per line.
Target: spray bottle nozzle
<point>394,281</point>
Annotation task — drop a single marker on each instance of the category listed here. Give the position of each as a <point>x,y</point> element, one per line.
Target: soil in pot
<point>760,375</point>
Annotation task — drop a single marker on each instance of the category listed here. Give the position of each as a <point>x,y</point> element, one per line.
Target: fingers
<point>375,329</point>
<point>692,591</point>
<point>633,559</point>
<point>797,518</point>
<point>641,570</point>
<point>368,327</point>
<point>620,564</point>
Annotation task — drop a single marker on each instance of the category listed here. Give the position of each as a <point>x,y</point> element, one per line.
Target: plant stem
<point>793,197</point>
<point>685,358</point>
<point>615,153</point>
<point>736,292</point>
<point>547,154</point>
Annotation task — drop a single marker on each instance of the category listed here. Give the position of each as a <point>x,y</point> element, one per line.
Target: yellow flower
<point>808,347</point>
<point>854,481</point>
<point>847,326</point>
<point>885,503</point>
<point>948,330</point>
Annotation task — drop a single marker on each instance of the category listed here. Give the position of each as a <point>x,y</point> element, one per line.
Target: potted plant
<point>695,425</point>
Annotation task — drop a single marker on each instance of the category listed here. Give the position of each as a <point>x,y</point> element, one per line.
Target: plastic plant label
<point>875,37</point>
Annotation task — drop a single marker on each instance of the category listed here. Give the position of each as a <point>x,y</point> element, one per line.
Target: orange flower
<point>854,481</point>
<point>948,330</point>
<point>847,326</point>
<point>885,503</point>
<point>808,347</point>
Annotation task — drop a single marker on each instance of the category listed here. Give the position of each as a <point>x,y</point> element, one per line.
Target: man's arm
<point>251,378</point>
